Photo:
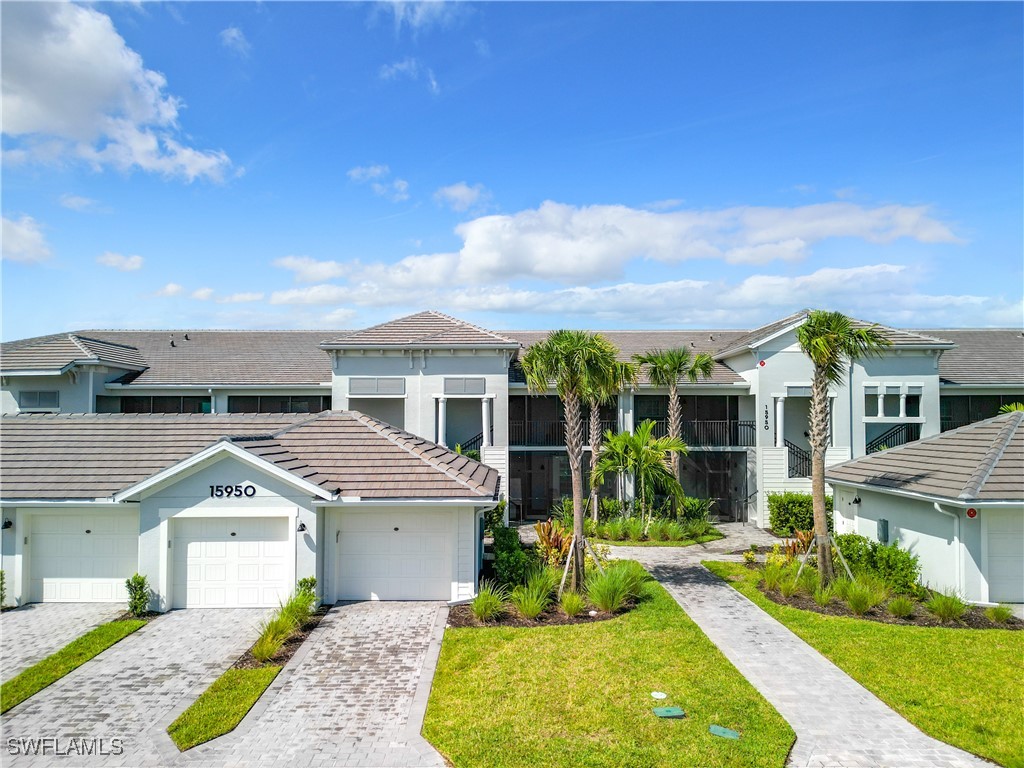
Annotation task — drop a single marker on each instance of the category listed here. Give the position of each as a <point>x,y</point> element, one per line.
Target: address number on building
<point>222,491</point>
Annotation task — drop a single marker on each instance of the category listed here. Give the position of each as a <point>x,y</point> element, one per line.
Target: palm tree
<point>574,362</point>
<point>832,341</point>
<point>1011,407</point>
<point>664,369</point>
<point>625,375</point>
<point>644,457</point>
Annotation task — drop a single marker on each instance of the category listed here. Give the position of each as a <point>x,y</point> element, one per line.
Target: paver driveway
<point>355,697</point>
<point>131,690</point>
<point>32,632</point>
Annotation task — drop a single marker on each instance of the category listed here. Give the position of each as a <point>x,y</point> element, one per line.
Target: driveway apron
<point>132,690</point>
<point>32,632</point>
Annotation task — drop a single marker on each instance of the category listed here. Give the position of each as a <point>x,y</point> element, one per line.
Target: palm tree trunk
<point>675,422</point>
<point>595,446</point>
<point>819,444</point>
<point>574,449</point>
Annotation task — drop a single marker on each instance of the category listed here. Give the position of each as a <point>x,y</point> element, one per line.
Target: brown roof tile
<point>983,356</point>
<point>429,328</point>
<point>56,352</point>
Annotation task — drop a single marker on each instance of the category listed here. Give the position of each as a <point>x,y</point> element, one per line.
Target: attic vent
<point>465,386</point>
<point>376,385</point>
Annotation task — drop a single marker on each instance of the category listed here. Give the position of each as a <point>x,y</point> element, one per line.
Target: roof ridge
<point>76,340</point>
<point>977,480</point>
<point>374,424</point>
<point>105,341</point>
<point>467,324</point>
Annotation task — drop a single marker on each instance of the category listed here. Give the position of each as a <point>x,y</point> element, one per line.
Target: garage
<point>82,557</point>
<point>231,562</point>
<point>395,554</point>
<point>1005,560</point>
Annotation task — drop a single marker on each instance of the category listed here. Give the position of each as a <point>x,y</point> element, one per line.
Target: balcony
<point>695,433</point>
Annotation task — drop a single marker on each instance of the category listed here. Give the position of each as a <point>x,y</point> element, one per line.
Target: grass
<point>581,695</point>
<point>961,686</point>
<point>222,706</point>
<point>681,543</point>
<point>70,657</point>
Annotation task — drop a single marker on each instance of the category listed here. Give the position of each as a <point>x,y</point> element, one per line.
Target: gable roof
<point>424,329</point>
<point>61,351</point>
<point>95,456</point>
<point>897,336</point>
<point>631,343</point>
<point>982,462</point>
<point>983,356</point>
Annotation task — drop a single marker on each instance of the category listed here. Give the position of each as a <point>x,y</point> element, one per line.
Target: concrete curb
<point>417,711</point>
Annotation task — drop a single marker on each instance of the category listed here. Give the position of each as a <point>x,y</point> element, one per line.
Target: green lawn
<point>71,656</point>
<point>221,707</point>
<point>581,696</point>
<point>964,687</point>
<point>680,543</point>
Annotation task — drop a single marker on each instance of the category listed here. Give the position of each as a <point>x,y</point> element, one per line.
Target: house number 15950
<point>220,491</point>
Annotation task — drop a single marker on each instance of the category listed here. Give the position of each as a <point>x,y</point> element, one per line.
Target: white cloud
<point>78,203</point>
<point>314,294</point>
<point>411,69</point>
<point>241,298</point>
<point>234,40</point>
<point>309,270</point>
<point>396,191</point>
<point>171,289</point>
<point>362,173</point>
<point>23,241</point>
<point>73,90</point>
<point>203,294</point>
<point>665,205</point>
<point>422,15</point>
<point>461,196</point>
<point>120,262</point>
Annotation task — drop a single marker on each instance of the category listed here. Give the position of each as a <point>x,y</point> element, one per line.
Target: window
<point>278,403</point>
<point>376,385</point>
<point>39,400</point>
<point>465,386</point>
<point>152,404</point>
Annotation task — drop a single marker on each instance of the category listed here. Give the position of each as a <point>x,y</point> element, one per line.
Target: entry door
<point>82,558</point>
<point>394,555</point>
<point>231,562</point>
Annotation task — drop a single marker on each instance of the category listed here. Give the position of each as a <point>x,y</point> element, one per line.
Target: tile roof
<point>983,356</point>
<point>428,329</point>
<point>632,343</point>
<point>58,351</point>
<point>981,462</point>
<point>91,456</point>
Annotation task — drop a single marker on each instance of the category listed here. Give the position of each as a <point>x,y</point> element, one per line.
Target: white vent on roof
<point>376,385</point>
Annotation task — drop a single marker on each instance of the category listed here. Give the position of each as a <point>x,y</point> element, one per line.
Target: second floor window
<point>36,400</point>
<point>278,403</point>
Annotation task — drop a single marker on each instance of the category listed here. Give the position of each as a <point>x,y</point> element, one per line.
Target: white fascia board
<point>30,372</point>
<point>65,503</point>
<point>206,387</point>
<point>1017,387</point>
<point>355,501</point>
<point>791,327</point>
<point>404,347</point>
<point>215,451</point>
<point>924,496</point>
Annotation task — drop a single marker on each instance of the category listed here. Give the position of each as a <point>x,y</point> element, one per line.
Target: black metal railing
<point>474,443</point>
<point>799,460</point>
<point>548,433</point>
<point>948,424</point>
<point>694,433</point>
<point>898,435</point>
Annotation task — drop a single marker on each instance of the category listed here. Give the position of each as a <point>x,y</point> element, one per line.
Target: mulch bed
<point>974,618</point>
<point>462,616</point>
<point>291,645</point>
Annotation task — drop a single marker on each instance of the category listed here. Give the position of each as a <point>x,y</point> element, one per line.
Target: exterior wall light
<point>8,523</point>
<point>301,528</point>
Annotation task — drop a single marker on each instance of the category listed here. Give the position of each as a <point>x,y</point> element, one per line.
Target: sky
<point>518,165</point>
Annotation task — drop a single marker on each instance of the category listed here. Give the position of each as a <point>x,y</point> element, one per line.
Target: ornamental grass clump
<point>573,603</point>
<point>610,590</point>
<point>999,614</point>
<point>788,587</point>
<point>656,530</point>
<point>861,598</point>
<point>773,575</point>
<point>614,530</point>
<point>901,606</point>
<point>841,588</point>
<point>634,574</point>
<point>531,600</point>
<point>489,603</point>
<point>634,529</point>
<point>674,531</point>
<point>948,607</point>
<point>822,595</point>
<point>808,581</point>
<point>273,633</point>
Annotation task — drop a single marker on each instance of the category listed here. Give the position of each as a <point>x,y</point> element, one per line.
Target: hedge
<point>790,511</point>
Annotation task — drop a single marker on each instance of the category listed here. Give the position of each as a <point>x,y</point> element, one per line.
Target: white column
<point>780,421</point>
<point>903,405</point>
<point>881,401</point>
<point>442,427</point>
<point>485,420</point>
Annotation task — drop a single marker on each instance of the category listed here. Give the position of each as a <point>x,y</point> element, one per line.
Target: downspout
<point>956,542</point>
<point>849,387</point>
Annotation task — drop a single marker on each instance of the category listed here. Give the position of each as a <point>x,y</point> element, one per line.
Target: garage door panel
<point>1005,556</point>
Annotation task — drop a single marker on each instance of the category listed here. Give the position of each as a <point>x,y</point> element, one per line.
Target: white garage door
<point>82,558</point>
<point>1005,556</point>
<point>231,562</point>
<point>394,555</point>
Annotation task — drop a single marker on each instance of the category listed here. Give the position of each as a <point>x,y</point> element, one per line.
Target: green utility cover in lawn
<point>725,733</point>
<point>675,712</point>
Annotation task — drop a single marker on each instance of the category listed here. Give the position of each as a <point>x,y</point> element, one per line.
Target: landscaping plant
<point>674,531</point>
<point>553,542</point>
<point>946,607</point>
<point>861,598</point>
<point>510,560</point>
<point>489,602</point>
<point>901,606</point>
<point>749,557</point>
<point>773,575</point>
<point>823,595</point>
<point>999,614</point>
<point>495,517</point>
<point>573,603</point>
<point>610,590</point>
<point>306,585</point>
<point>3,589</point>
<point>792,511</point>
<point>788,587</point>
<point>531,600</point>
<point>138,594</point>
<point>273,633</point>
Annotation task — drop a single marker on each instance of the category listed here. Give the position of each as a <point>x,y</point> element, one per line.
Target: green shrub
<point>808,581</point>
<point>138,594</point>
<point>3,589</point>
<point>610,508</point>
<point>840,587</point>
<point>298,609</point>
<point>656,530</point>
<point>897,567</point>
<point>635,529</point>
<point>495,517</point>
<point>948,607</point>
<point>696,528</point>
<point>674,531</point>
<point>489,602</point>
<point>609,590</point>
<point>791,511</point>
<point>273,632</point>
<point>543,579</point>
<point>695,509</point>
<point>823,595</point>
<point>861,598</point>
<point>901,606</point>
<point>999,614</point>
<point>510,560</point>
<point>573,603</point>
<point>876,585</point>
<point>615,530</point>
<point>749,557</point>
<point>531,600</point>
<point>634,574</point>
<point>856,550</point>
<point>589,527</point>
<point>788,587</point>
<point>773,575</point>
<point>306,585</point>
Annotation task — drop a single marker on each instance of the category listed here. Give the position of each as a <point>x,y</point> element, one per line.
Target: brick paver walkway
<point>837,721</point>
<point>32,632</point>
<point>133,690</point>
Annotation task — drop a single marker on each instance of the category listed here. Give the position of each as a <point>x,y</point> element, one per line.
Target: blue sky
<point>531,165</point>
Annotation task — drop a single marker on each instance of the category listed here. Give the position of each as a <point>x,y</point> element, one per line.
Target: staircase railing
<point>799,460</point>
<point>476,442</point>
<point>898,435</point>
